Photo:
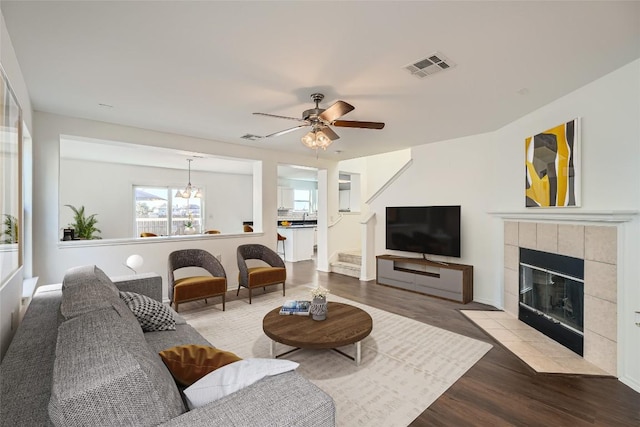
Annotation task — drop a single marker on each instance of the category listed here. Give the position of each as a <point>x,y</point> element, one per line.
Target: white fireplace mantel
<point>569,215</point>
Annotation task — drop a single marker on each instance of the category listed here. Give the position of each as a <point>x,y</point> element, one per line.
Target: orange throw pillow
<point>189,363</point>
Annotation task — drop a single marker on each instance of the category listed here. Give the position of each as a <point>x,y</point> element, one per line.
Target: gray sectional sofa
<point>80,357</point>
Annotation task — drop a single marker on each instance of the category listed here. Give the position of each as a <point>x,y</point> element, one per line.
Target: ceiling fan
<point>321,135</point>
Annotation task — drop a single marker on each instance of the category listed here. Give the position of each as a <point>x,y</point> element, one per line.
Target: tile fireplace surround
<point>597,245</point>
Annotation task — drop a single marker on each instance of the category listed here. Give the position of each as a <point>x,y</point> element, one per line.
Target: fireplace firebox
<point>552,296</point>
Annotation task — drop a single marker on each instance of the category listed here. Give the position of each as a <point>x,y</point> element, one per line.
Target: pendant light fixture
<point>189,191</point>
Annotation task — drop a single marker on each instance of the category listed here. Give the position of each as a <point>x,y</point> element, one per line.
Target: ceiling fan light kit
<point>316,139</point>
<point>321,135</point>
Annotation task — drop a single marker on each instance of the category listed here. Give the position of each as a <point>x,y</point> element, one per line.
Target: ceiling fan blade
<point>280,117</point>
<point>357,124</point>
<point>330,133</point>
<point>282,132</point>
<point>338,109</point>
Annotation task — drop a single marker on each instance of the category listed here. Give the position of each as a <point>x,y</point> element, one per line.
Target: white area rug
<point>406,365</point>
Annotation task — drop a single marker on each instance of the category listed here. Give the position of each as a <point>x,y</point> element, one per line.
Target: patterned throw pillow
<point>151,314</point>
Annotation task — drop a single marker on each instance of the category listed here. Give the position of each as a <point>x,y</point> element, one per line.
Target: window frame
<point>297,200</point>
<point>170,227</point>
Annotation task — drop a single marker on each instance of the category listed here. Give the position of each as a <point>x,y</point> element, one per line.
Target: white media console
<point>445,280</point>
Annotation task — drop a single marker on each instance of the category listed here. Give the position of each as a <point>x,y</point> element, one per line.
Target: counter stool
<point>281,238</point>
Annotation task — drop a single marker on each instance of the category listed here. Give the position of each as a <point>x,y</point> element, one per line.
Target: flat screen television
<point>432,230</point>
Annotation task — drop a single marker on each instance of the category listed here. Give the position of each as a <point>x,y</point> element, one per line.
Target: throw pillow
<point>189,363</point>
<point>151,314</point>
<point>233,377</point>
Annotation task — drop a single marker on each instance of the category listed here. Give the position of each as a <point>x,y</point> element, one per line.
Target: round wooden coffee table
<point>345,324</point>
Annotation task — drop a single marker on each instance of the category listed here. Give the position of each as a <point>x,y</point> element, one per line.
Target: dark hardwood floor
<point>500,389</point>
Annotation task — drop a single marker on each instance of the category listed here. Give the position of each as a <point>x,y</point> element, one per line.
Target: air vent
<point>430,65</point>
<point>251,137</point>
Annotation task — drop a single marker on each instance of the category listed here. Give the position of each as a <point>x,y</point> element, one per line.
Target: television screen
<point>433,230</point>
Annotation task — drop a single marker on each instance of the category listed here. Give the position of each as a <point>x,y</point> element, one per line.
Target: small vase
<point>318,308</point>
<point>189,230</point>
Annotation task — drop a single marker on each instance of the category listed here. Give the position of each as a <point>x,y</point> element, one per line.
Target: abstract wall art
<point>552,167</point>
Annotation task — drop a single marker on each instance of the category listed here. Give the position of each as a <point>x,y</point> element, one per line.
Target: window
<point>159,212</point>
<point>302,200</point>
<point>349,192</point>
<point>10,183</point>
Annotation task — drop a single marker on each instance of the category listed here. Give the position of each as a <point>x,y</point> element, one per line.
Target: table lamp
<point>134,262</point>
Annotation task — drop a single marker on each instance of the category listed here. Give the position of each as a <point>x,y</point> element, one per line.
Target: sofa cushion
<point>27,366</point>
<point>259,276</point>
<point>152,315</point>
<point>86,289</point>
<point>84,298</point>
<point>233,377</point>
<point>281,400</point>
<point>183,335</point>
<point>79,275</point>
<point>189,363</point>
<point>105,374</point>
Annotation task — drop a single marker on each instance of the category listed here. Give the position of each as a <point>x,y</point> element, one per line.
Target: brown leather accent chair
<point>196,287</point>
<point>271,270</point>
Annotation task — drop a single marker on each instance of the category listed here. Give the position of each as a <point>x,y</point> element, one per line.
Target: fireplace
<point>585,237</point>
<point>551,297</point>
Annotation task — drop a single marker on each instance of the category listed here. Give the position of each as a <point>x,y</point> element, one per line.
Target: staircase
<point>348,263</point>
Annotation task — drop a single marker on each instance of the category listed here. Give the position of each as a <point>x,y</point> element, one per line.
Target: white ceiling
<point>202,68</point>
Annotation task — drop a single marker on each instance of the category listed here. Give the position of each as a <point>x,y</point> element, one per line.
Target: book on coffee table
<point>295,307</point>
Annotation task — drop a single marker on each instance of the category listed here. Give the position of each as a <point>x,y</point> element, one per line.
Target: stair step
<point>350,258</point>
<point>346,265</point>
<point>346,268</point>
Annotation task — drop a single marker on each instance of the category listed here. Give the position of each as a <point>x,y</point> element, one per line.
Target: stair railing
<point>390,181</point>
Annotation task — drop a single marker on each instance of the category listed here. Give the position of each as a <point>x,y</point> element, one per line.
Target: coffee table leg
<point>273,349</point>
<point>358,353</point>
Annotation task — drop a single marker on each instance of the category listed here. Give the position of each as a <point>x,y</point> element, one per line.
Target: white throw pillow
<point>233,377</point>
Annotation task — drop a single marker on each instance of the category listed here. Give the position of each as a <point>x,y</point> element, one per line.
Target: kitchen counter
<point>299,243</point>
<point>297,223</point>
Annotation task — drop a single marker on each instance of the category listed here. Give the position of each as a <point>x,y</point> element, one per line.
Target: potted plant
<point>188,225</point>
<point>84,226</point>
<point>10,229</point>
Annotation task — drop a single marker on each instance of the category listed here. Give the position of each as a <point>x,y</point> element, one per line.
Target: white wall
<point>375,171</point>
<point>484,173</point>
<point>345,234</point>
<point>385,166</point>
<point>12,68</point>
<point>228,197</point>
<point>10,295</point>
<point>11,290</point>
<point>609,109</point>
<point>454,172</point>
<point>53,258</point>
